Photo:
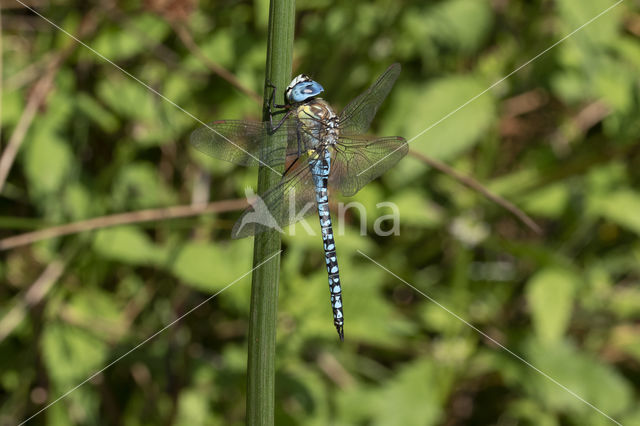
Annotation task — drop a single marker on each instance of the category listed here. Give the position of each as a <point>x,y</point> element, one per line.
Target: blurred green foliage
<point>559,138</point>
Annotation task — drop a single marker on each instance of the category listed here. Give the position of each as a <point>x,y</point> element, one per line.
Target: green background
<point>559,138</point>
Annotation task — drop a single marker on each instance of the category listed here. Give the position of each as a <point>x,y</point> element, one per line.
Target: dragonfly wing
<point>287,203</point>
<point>358,114</point>
<point>242,142</point>
<point>357,160</point>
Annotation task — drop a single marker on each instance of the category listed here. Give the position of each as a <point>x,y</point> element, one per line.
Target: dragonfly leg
<point>298,154</point>
<point>275,128</point>
<point>273,106</point>
<point>272,98</point>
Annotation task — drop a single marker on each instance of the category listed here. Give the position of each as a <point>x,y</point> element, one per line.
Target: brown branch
<point>36,292</point>
<point>591,115</point>
<point>121,219</point>
<point>27,74</point>
<point>334,370</point>
<point>36,99</point>
<point>190,44</point>
<point>1,72</point>
<point>632,23</point>
<point>12,4</point>
<point>578,125</point>
<point>524,103</point>
<point>475,185</point>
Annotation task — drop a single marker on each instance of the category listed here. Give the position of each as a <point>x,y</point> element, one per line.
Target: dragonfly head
<point>302,88</point>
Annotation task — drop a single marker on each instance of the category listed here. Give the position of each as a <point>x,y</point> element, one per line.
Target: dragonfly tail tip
<point>340,332</point>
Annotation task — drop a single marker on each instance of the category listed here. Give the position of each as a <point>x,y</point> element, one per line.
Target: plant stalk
<point>264,285</point>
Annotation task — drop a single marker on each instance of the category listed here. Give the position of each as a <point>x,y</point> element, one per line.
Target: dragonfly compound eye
<point>302,88</point>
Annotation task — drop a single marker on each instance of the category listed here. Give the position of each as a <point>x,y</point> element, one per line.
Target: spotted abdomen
<point>320,168</point>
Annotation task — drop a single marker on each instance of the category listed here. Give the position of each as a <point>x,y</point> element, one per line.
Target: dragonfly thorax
<point>319,123</point>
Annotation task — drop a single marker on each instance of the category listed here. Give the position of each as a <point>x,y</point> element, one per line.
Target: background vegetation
<point>559,138</point>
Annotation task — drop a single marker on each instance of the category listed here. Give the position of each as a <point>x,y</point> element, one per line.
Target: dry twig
<point>475,185</point>
<point>121,219</point>
<point>190,44</point>
<point>36,99</point>
<point>36,292</point>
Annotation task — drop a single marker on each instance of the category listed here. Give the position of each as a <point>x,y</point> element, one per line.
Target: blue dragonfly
<point>330,151</point>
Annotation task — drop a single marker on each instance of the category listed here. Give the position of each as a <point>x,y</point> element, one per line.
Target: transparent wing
<point>358,114</point>
<point>357,160</point>
<point>287,203</point>
<point>242,142</point>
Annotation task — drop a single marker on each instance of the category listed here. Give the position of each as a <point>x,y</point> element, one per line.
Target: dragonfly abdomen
<point>320,169</point>
<point>332,270</point>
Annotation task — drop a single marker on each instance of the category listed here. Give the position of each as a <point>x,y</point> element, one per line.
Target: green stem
<point>264,286</point>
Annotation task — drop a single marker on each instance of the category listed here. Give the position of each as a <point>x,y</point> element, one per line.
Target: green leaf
<point>417,210</point>
<point>591,379</point>
<point>77,201</point>
<point>602,31</point>
<point>70,353</point>
<point>619,207</point>
<point>218,46</point>
<point>460,24</point>
<point>193,408</point>
<point>514,183</point>
<point>12,107</point>
<point>625,302</point>
<point>127,97</point>
<point>138,186</point>
<point>305,388</point>
<point>614,84</point>
<point>632,418</point>
<point>426,113</point>
<point>210,267</point>
<point>454,25</point>
<point>550,295</point>
<point>413,397</point>
<point>94,305</point>
<point>118,43</point>
<point>48,156</point>
<point>126,244</point>
<point>549,201</point>
<point>438,319</point>
<point>48,161</point>
<point>97,113</point>
<point>527,411</point>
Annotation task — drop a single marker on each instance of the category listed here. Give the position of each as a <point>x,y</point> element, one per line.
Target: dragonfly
<point>331,151</point>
